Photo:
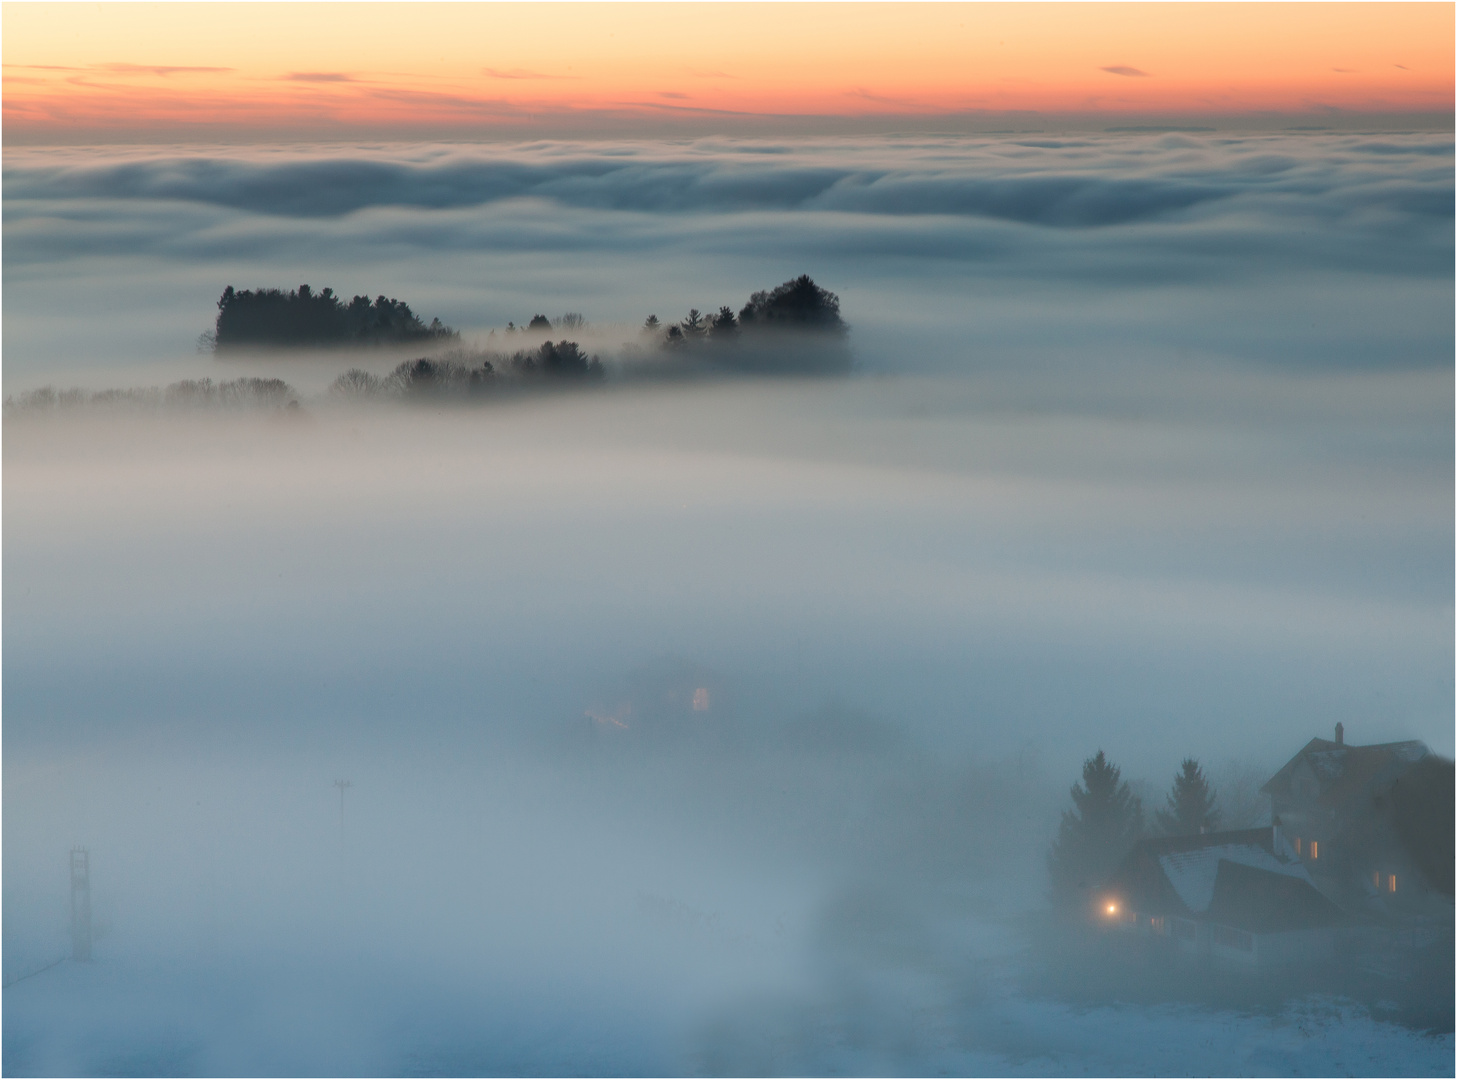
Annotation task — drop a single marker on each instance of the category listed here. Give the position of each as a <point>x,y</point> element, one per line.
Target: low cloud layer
<point>1078,182</point>
<point>1312,251</point>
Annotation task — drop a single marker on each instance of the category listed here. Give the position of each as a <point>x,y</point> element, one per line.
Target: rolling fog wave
<point>1067,184</point>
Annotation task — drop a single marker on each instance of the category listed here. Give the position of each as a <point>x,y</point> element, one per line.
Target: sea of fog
<point>699,725</point>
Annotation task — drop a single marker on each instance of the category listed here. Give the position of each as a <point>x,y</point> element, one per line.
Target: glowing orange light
<point>1112,909</point>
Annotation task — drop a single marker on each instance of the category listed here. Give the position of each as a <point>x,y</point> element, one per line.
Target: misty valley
<point>1017,643</point>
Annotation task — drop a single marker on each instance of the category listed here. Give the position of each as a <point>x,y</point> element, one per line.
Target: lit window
<point>1391,883</point>
<point>1314,848</point>
<point>1297,847</point>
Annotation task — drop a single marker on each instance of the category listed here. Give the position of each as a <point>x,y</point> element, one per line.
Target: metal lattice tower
<point>80,904</point>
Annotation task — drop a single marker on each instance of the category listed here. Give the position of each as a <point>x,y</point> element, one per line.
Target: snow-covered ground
<point>887,998</point>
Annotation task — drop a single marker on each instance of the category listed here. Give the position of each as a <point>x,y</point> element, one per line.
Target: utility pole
<point>341,785</point>
<point>80,904</point>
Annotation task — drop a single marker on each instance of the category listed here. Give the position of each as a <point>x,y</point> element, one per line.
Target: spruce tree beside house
<point>1104,824</point>
<point>1191,804</point>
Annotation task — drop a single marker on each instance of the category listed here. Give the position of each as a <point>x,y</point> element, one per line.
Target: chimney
<point>1340,734</point>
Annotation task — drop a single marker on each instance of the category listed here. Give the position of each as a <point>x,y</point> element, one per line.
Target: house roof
<point>1194,873</point>
<point>1345,772</point>
<point>1174,875</point>
<point>1234,878</point>
<point>1256,900</point>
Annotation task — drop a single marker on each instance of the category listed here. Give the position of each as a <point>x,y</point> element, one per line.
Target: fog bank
<point>714,725</point>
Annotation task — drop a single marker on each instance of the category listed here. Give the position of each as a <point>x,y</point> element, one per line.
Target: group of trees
<point>798,304</point>
<point>302,317</point>
<point>795,327</point>
<point>463,374</point>
<point>1107,820</point>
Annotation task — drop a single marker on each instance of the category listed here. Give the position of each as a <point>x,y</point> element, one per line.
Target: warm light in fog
<point>1112,909</point>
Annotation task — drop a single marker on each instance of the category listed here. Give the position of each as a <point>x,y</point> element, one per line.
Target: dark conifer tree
<point>724,326</point>
<point>1104,824</point>
<point>1191,807</point>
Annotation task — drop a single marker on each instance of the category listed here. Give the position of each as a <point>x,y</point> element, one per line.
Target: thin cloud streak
<point>319,77</point>
<point>520,73</point>
<point>158,69</point>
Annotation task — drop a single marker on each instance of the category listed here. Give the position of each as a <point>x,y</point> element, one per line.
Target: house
<point>1358,860</point>
<point>1235,898</point>
<point>1372,826</point>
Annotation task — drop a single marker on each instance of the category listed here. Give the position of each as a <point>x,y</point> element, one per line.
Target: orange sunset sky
<point>82,72</point>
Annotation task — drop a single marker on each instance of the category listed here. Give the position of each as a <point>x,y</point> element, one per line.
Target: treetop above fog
<point>795,328</point>
<point>796,305</point>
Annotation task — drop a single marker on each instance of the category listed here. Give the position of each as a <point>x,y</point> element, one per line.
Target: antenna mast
<point>342,785</point>
<point>80,904</point>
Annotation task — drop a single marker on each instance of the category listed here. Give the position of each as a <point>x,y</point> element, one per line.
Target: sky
<point>180,71</point>
<point>1147,448</point>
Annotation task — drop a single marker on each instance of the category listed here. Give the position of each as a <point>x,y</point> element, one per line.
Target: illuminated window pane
<point>1391,883</point>
<point>1314,847</point>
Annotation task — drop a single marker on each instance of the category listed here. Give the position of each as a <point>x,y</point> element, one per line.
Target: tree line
<point>304,318</point>
<point>244,393</point>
